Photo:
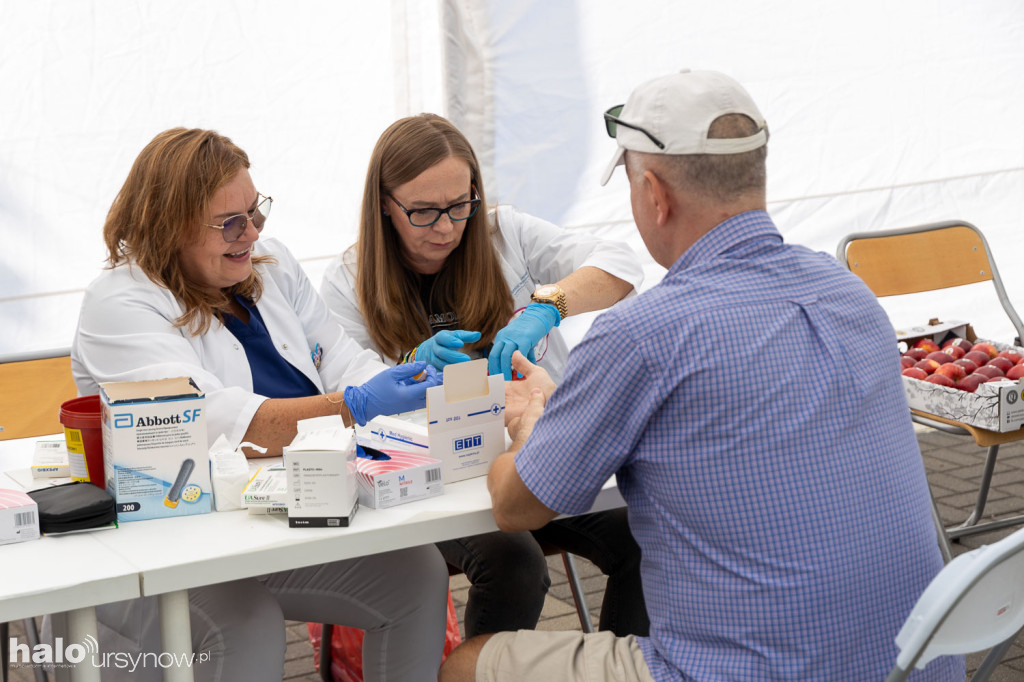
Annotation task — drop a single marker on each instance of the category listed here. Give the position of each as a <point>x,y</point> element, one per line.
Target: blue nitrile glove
<point>442,348</point>
<point>522,334</point>
<point>392,391</point>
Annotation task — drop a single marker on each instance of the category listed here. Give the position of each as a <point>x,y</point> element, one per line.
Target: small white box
<point>50,460</point>
<point>19,517</point>
<point>466,420</point>
<point>463,425</point>
<point>155,453</point>
<point>321,467</point>
<point>268,487</point>
<point>401,477</point>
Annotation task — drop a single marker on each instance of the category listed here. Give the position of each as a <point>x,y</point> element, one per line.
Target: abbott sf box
<point>155,454</point>
<point>321,470</point>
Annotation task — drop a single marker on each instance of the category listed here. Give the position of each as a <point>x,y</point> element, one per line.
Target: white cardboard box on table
<point>463,425</point>
<point>390,477</point>
<point>321,467</point>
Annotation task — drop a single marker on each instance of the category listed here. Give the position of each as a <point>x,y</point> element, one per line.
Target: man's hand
<point>521,427</point>
<point>517,393</point>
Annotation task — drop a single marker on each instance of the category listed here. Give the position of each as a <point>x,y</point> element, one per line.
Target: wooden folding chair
<point>32,388</point>
<point>935,257</point>
<point>976,602</point>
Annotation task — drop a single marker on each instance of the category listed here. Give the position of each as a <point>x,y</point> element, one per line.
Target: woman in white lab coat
<point>436,276</point>
<point>192,291</point>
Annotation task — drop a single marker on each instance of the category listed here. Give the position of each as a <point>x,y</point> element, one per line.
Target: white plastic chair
<point>976,602</point>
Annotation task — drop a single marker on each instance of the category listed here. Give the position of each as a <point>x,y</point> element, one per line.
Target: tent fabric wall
<point>881,114</point>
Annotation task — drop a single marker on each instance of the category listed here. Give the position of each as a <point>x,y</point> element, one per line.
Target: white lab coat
<point>126,332</point>
<point>532,252</point>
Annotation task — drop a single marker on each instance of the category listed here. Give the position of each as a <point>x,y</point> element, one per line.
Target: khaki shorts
<point>535,655</point>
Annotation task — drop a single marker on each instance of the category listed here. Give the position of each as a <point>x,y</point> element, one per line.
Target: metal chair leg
<point>326,632</point>
<point>986,482</point>
<point>4,635</point>
<point>577,592</point>
<point>940,531</point>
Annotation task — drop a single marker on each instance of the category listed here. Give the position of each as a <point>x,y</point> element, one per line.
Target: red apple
<point>1012,355</point>
<point>986,347</point>
<point>971,382</point>
<point>927,345</point>
<point>928,366</point>
<point>954,372</point>
<point>977,357</point>
<point>940,379</point>
<point>968,365</point>
<point>990,371</point>
<point>1016,372</point>
<point>940,357</point>
<point>920,354</point>
<point>915,373</point>
<point>959,343</point>
<point>956,351</point>
<point>1001,363</point>
<point>906,361</point>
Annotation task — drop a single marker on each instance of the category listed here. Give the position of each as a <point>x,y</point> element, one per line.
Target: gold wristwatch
<point>553,295</point>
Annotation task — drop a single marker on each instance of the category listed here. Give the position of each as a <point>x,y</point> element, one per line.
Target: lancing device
<point>174,494</point>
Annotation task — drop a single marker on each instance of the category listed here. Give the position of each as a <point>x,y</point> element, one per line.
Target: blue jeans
<point>509,578</point>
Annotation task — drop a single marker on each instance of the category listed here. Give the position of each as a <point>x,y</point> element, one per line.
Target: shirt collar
<point>727,235</point>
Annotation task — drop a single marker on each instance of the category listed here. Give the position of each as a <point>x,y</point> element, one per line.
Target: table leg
<point>176,634</point>
<point>82,632</point>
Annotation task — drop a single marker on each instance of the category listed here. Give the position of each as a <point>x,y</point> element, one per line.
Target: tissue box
<point>50,459</point>
<point>154,448</point>
<point>321,467</point>
<point>19,517</point>
<point>390,477</point>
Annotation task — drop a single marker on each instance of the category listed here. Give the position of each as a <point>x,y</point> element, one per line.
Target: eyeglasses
<point>612,121</point>
<point>234,226</point>
<point>425,217</point>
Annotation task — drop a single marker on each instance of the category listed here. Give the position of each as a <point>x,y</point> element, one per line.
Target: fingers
<point>455,338</point>
<point>521,364</point>
<point>449,356</point>
<point>507,351</point>
<point>409,369</point>
<point>467,337</point>
<point>494,359</point>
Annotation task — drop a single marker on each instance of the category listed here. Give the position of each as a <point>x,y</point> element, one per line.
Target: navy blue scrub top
<point>272,375</point>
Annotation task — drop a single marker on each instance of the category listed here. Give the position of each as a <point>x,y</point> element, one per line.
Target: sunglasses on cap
<point>612,121</point>
<point>234,226</point>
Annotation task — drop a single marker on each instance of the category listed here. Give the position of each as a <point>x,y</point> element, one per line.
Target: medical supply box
<point>995,406</point>
<point>390,477</point>
<point>321,468</point>
<point>155,453</point>
<point>463,425</point>
<point>267,490</point>
<point>50,459</point>
<point>19,517</point>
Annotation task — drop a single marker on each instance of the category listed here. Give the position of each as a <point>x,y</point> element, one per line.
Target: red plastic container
<point>83,433</point>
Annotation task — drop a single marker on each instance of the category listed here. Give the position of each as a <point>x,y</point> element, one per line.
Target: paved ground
<point>954,467</point>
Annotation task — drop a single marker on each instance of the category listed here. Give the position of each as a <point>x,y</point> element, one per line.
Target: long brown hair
<point>470,283</point>
<point>160,210</point>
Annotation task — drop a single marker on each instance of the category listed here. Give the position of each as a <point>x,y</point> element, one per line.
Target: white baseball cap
<point>672,114</point>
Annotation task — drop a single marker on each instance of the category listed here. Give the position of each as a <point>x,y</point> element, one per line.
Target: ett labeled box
<point>19,517</point>
<point>995,406</point>
<point>321,468</point>
<point>155,453</point>
<point>390,477</point>
<point>463,425</point>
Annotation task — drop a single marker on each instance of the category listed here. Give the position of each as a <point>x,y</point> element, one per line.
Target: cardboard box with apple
<point>951,373</point>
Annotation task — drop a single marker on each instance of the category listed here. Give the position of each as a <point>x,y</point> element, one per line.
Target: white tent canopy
<point>881,115</point>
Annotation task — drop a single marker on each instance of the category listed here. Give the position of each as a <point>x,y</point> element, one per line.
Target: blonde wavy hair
<point>471,282</point>
<point>160,210</point>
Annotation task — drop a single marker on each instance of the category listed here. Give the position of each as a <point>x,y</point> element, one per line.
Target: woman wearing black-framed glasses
<point>437,275</point>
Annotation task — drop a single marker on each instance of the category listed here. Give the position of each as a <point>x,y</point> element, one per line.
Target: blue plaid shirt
<point>752,408</point>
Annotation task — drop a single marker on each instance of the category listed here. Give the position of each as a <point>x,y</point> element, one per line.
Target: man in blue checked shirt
<point>751,407</point>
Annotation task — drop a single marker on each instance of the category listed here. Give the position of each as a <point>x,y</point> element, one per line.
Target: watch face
<point>546,290</point>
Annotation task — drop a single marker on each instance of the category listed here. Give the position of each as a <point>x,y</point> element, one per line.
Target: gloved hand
<point>441,349</point>
<point>392,391</point>
<point>522,334</point>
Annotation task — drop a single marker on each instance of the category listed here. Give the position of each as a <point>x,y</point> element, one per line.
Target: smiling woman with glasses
<point>438,275</point>
<point>193,289</point>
